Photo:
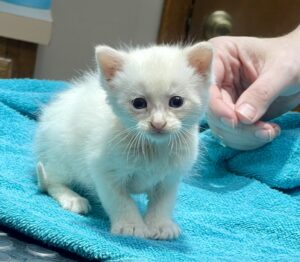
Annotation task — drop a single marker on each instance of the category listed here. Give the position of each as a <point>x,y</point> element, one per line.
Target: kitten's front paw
<point>130,229</point>
<point>163,229</point>
<point>75,204</point>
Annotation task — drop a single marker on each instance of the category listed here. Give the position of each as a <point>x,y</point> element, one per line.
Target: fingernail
<point>277,130</point>
<point>228,122</point>
<point>264,135</point>
<point>248,111</point>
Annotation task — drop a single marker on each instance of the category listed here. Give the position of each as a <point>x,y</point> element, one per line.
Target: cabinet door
<point>263,18</point>
<point>18,58</point>
<point>5,68</point>
<point>185,20</point>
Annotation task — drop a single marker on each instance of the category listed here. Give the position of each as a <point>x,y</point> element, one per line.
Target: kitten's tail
<point>41,177</point>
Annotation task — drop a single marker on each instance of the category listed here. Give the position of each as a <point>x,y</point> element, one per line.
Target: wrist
<point>292,43</point>
<point>297,33</point>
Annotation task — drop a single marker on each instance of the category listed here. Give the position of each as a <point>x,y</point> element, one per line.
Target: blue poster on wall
<point>40,4</point>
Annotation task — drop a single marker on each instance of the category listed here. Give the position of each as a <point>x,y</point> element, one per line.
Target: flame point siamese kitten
<point>130,128</point>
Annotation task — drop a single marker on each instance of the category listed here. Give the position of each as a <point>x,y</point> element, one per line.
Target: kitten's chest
<point>146,175</point>
<point>143,173</point>
<point>142,168</point>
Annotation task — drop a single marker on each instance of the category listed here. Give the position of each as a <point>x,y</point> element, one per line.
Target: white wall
<point>79,25</point>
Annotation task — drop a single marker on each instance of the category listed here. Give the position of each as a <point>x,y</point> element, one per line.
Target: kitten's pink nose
<point>158,126</point>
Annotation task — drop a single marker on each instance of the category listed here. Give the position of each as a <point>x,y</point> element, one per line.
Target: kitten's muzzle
<point>158,127</point>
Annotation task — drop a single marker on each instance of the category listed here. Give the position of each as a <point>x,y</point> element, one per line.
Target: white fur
<point>91,135</point>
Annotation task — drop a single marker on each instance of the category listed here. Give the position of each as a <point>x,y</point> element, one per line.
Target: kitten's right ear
<point>200,57</point>
<point>109,60</point>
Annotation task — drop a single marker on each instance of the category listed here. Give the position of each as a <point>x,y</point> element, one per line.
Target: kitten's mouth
<point>159,131</point>
<point>159,134</point>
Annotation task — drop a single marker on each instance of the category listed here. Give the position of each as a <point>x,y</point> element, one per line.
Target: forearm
<point>291,42</point>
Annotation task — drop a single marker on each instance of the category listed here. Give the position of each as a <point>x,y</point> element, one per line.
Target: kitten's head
<point>160,91</point>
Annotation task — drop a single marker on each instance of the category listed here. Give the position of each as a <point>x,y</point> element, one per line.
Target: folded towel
<point>224,215</point>
<point>276,164</point>
<point>28,96</point>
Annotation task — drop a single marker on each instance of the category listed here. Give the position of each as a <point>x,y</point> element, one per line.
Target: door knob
<point>218,23</point>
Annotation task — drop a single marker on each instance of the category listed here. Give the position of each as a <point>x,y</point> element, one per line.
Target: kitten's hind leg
<point>66,197</point>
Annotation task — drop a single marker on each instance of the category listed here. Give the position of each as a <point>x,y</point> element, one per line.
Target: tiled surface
<point>15,247</point>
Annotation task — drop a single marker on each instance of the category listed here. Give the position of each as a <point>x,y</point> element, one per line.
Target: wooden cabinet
<point>186,20</point>
<point>17,58</point>
<point>21,30</point>
<point>263,18</point>
<point>5,68</point>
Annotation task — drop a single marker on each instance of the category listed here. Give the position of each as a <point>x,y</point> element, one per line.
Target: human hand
<point>256,79</point>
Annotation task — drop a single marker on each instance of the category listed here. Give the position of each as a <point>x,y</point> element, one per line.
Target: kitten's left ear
<point>109,60</point>
<point>200,56</point>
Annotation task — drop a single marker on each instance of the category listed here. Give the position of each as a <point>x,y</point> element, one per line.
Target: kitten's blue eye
<point>139,103</point>
<point>176,101</point>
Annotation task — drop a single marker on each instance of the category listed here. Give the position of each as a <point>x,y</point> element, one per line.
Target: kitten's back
<point>67,121</point>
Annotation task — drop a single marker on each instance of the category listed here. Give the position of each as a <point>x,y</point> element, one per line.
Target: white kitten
<point>133,130</point>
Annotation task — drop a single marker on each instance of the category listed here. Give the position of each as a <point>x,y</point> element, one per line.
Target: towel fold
<point>229,210</point>
<point>276,164</point>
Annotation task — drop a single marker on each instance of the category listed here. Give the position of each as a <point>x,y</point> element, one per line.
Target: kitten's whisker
<point>138,142</point>
<point>172,145</point>
<point>185,134</point>
<point>126,134</point>
<point>184,138</point>
<point>133,144</point>
<point>170,141</point>
<point>176,140</point>
<point>143,145</point>
<point>188,126</point>
<point>130,145</point>
<point>122,132</point>
<point>180,140</point>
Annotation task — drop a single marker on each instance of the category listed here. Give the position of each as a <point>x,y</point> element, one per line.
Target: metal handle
<point>218,23</point>
<point>5,67</point>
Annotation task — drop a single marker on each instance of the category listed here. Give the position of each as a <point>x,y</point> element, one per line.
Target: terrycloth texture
<point>224,215</point>
<point>277,164</point>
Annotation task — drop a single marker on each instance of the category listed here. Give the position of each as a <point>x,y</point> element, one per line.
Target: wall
<point>80,25</point>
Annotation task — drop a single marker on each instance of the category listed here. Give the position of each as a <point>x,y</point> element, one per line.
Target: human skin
<point>256,79</point>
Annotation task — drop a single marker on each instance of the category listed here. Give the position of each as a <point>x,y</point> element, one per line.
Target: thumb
<point>256,99</point>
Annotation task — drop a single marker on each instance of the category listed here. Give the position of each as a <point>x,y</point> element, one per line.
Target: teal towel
<point>277,164</point>
<point>231,212</point>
